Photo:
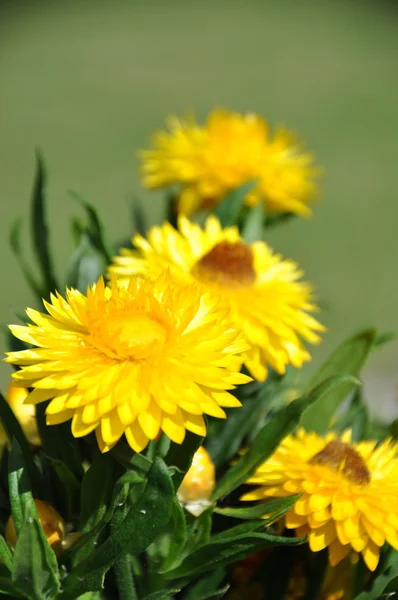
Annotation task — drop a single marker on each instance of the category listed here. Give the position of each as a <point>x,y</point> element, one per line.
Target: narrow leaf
<point>178,538</point>
<point>96,228</point>
<point>31,572</point>
<point>16,246</point>
<point>258,510</point>
<point>228,210</point>
<point>40,231</point>
<point>348,358</point>
<point>5,553</point>
<point>381,583</point>
<point>180,456</point>
<point>252,227</point>
<point>85,265</point>
<point>221,552</point>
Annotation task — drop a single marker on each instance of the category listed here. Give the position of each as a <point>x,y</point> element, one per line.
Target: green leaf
<point>129,459</point>
<point>140,224</point>
<point>162,594</point>
<point>356,418</point>
<point>278,219</point>
<point>34,564</point>
<point>39,229</point>
<point>228,210</point>
<point>384,338</point>
<point>381,582</point>
<point>205,585</point>
<point>224,549</point>
<point>32,572</point>
<point>225,438</point>
<point>96,491</point>
<point>180,456</point>
<point>271,435</point>
<point>14,431</point>
<point>58,442</point>
<point>7,588</point>
<point>348,358</point>
<point>5,553</point>
<point>253,228</point>
<point>86,265</point>
<point>216,595</point>
<point>16,247</point>
<point>258,510</point>
<point>178,538</point>
<point>95,227</point>
<point>133,536</point>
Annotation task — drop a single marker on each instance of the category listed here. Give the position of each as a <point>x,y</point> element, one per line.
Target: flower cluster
<point>196,318</point>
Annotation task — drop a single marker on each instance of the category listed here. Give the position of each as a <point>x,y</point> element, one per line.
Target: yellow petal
<point>136,437</point>
<point>371,555</point>
<point>321,537</point>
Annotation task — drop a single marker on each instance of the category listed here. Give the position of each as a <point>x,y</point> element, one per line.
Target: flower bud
<point>25,413</point>
<point>52,523</point>
<point>198,484</point>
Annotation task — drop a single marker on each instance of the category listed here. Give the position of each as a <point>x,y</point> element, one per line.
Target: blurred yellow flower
<point>349,492</point>
<point>52,523</point>
<point>268,302</point>
<point>229,150</point>
<point>25,413</point>
<point>198,484</point>
<point>133,360</point>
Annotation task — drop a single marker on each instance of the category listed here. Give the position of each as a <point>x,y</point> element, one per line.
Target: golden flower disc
<point>267,301</point>
<point>349,492</point>
<point>229,150</point>
<point>135,359</point>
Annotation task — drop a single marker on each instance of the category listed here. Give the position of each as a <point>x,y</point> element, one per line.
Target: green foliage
<point>229,209</point>
<point>348,358</point>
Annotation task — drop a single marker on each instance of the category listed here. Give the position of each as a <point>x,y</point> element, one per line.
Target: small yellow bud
<point>198,484</point>
<point>52,523</point>
<point>25,413</point>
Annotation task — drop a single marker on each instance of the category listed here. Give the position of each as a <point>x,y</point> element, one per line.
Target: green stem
<point>124,579</point>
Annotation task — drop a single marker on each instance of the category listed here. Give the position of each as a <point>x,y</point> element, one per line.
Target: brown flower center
<point>228,263</point>
<point>342,457</point>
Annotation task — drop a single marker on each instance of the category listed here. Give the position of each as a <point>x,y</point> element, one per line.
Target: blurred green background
<point>88,81</point>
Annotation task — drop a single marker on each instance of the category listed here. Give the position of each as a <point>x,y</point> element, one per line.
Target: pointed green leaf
<point>381,582</point>
<point>356,418</point>
<point>253,225</point>
<point>95,227</point>
<point>258,510</point>
<point>222,551</point>
<point>58,442</point>
<point>86,265</point>
<point>217,594</point>
<point>96,491</point>
<point>31,571</point>
<point>348,358</point>
<point>39,229</point>
<point>178,538</point>
<point>5,553</point>
<point>273,433</point>
<point>133,536</point>
<point>206,584</point>
<point>14,431</point>
<point>228,209</point>
<point>16,246</point>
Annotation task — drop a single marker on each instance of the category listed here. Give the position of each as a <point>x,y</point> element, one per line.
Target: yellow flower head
<point>135,360</point>
<point>268,303</point>
<point>230,150</point>
<point>349,492</point>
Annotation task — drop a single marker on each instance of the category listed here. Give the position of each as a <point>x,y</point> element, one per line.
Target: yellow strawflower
<point>25,413</point>
<point>229,150</point>
<point>198,484</point>
<point>267,301</point>
<point>349,492</point>
<point>135,360</point>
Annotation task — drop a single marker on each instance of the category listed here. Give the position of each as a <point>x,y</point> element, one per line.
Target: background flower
<point>229,150</point>
<point>349,492</point>
<point>268,302</point>
<point>152,356</point>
